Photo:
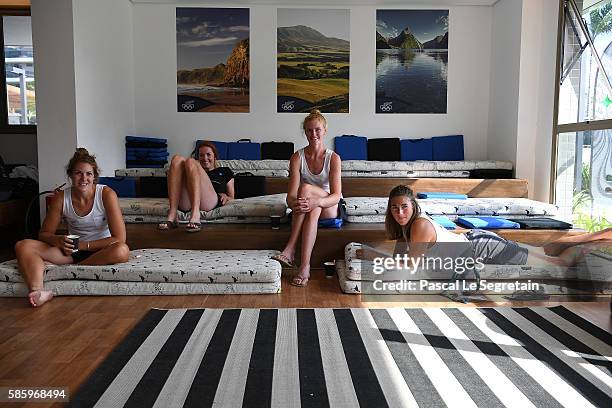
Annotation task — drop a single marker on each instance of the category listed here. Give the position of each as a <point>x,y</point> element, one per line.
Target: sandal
<point>193,227</point>
<point>283,260</point>
<point>299,281</point>
<point>167,225</point>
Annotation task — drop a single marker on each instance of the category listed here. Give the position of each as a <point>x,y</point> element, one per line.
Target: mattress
<point>243,210</point>
<point>356,287</point>
<point>141,172</point>
<point>407,173</point>
<point>422,165</point>
<point>508,207</point>
<point>102,288</point>
<point>248,165</point>
<point>184,219</point>
<point>158,271</point>
<point>594,268</point>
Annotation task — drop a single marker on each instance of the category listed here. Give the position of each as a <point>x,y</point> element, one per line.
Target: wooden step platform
<point>380,187</point>
<point>330,242</point>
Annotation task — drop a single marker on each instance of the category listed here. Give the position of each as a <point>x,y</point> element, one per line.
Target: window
<point>582,185</point>
<point>18,84</point>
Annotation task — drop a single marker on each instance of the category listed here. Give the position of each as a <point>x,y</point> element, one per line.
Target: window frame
<point>5,127</point>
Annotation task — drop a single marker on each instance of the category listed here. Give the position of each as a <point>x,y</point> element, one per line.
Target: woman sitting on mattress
<point>314,192</point>
<point>418,234</point>
<point>197,185</point>
<point>89,210</point>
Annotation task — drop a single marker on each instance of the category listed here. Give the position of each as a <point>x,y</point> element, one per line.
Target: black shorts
<point>80,256</point>
<point>219,204</point>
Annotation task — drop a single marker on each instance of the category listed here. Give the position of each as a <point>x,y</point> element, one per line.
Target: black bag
<point>542,223</point>
<point>276,150</point>
<point>385,149</point>
<point>153,187</point>
<point>248,185</point>
<point>491,174</point>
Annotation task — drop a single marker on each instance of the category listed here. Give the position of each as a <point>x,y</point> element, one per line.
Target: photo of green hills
<point>313,56</point>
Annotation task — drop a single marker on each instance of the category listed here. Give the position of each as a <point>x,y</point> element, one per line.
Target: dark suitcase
<point>248,185</point>
<point>416,149</point>
<point>491,174</point>
<point>123,186</point>
<point>243,149</point>
<point>384,149</point>
<point>154,187</point>
<point>276,150</point>
<point>448,148</point>
<point>144,139</point>
<point>541,223</point>
<point>351,147</point>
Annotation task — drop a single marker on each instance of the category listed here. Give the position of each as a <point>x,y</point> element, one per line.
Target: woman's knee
<point>177,160</point>
<point>305,190</point>
<point>121,252</point>
<point>24,246</point>
<point>192,165</point>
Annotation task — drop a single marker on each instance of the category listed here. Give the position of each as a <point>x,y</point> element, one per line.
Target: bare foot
<point>39,297</point>
<point>301,278</point>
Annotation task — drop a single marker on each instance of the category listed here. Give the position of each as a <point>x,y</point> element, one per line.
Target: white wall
<point>505,62</point>
<point>52,36</point>
<point>103,53</point>
<point>155,84</point>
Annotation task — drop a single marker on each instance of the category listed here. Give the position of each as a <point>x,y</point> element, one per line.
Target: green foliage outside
<point>582,203</point>
<point>601,19</point>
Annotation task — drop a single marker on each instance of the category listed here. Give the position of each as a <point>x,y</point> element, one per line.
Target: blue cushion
<point>351,147</point>
<point>444,221</point>
<point>244,149</point>
<point>123,186</point>
<point>145,139</point>
<point>416,149</point>
<point>330,223</point>
<point>448,148</point>
<point>487,222</point>
<point>443,195</point>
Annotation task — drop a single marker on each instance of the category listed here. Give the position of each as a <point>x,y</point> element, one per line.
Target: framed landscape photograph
<point>411,61</point>
<point>212,59</point>
<point>313,55</point>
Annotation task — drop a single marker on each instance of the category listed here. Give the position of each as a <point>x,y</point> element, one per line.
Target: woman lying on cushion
<point>313,194</point>
<point>89,210</point>
<point>411,228</point>
<point>197,185</point>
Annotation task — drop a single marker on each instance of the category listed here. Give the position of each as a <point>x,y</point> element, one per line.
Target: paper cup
<point>75,242</point>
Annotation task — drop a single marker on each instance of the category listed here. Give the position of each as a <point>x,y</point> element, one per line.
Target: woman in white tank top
<point>314,192</point>
<point>89,210</point>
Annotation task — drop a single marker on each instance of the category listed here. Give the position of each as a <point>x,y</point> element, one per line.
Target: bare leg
<point>175,185</point>
<point>202,195</point>
<point>112,254</point>
<point>568,257</point>
<point>560,245</point>
<point>31,257</point>
<point>297,221</point>
<point>309,230</point>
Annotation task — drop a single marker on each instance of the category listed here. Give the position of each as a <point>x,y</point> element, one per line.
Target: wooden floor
<point>60,344</point>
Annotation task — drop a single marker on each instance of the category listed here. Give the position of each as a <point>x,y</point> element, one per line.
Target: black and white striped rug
<point>432,357</point>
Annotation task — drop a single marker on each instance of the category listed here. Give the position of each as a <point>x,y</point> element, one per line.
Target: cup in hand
<point>75,242</point>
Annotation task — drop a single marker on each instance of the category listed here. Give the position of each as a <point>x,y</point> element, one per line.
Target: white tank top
<point>90,227</point>
<point>321,179</point>
<point>442,234</point>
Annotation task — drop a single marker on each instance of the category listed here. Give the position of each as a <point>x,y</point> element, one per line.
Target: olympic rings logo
<point>189,105</point>
<point>288,105</point>
<point>386,107</point>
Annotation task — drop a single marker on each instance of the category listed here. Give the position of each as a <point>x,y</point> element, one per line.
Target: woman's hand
<point>224,198</point>
<point>64,244</point>
<point>306,204</point>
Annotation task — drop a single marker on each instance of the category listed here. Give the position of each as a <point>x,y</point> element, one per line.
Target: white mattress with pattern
<point>407,173</point>
<point>422,165</point>
<point>507,207</point>
<point>159,271</point>
<point>552,287</point>
<point>244,210</point>
<point>596,267</point>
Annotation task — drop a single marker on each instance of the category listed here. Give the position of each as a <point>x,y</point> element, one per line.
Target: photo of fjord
<point>313,60</point>
<point>212,58</point>
<point>411,61</point>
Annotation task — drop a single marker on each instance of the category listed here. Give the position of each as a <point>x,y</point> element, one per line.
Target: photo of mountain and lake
<point>212,58</point>
<point>313,55</point>
<point>411,61</point>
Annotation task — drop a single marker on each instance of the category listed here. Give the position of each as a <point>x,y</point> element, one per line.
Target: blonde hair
<point>314,114</point>
<point>81,155</point>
